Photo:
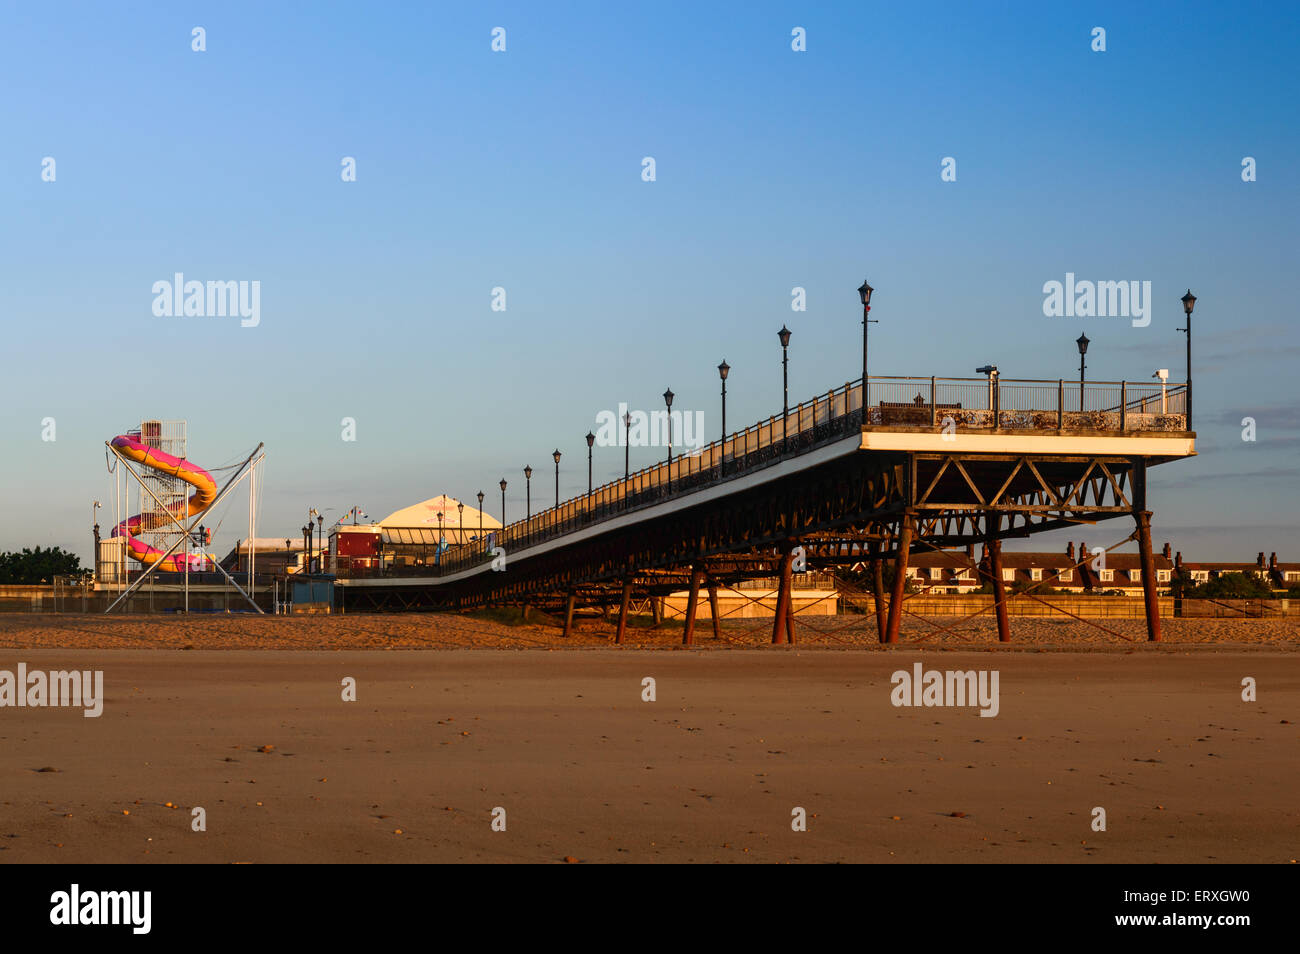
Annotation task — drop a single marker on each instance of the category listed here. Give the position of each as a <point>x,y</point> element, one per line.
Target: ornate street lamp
<point>591,441</point>
<point>1082,342</point>
<point>556,455</point>
<point>480,516</point>
<point>1189,302</point>
<point>503,502</point>
<point>723,370</point>
<point>528,493</point>
<point>864,295</point>
<point>784,336</point>
<point>668,400</point>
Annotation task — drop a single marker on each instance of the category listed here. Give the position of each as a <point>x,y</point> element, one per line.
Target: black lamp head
<point>864,292</point>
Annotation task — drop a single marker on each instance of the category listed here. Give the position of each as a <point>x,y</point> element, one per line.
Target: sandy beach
<point>585,770</point>
<point>481,631</point>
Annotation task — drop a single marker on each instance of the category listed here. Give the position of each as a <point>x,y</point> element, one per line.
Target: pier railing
<point>941,404</point>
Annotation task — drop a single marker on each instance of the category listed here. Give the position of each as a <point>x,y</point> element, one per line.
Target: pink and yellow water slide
<point>205,491</point>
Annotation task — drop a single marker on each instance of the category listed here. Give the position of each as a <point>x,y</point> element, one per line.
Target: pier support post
<point>568,614</point>
<point>780,621</point>
<point>622,610</point>
<point>789,616</point>
<point>713,608</point>
<point>994,546</point>
<point>1149,594</point>
<point>907,526</point>
<point>656,610</point>
<point>1142,516</point>
<point>877,586</point>
<point>692,604</point>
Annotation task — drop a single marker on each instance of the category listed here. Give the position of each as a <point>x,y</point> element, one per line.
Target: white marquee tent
<point>420,523</point>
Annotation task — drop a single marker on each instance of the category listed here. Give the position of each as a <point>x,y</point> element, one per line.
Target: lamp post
<point>94,519</point>
<point>723,370</point>
<point>306,547</point>
<point>784,336</point>
<point>437,551</point>
<point>480,516</point>
<point>864,295</point>
<point>668,401</point>
<point>528,493</point>
<point>320,541</point>
<point>1189,302</point>
<point>1082,342</point>
<point>556,455</point>
<point>503,503</point>
<point>627,443</point>
<point>591,441</point>
<point>460,517</point>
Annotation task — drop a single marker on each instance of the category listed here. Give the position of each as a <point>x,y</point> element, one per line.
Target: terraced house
<point>1072,570</point>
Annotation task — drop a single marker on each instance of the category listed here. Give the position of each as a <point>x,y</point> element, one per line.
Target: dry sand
<point>451,631</point>
<point>585,769</point>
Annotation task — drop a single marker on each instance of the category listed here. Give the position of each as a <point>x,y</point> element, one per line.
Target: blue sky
<point>522,169</point>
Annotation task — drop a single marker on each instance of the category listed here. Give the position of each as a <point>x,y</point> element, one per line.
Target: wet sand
<point>710,771</point>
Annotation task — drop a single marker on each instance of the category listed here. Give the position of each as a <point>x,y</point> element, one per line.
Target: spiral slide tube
<point>205,491</point>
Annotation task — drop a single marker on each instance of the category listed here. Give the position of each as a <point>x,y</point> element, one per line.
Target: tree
<point>1230,586</point>
<point>42,565</point>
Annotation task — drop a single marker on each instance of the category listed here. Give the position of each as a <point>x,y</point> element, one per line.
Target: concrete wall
<point>752,604</point>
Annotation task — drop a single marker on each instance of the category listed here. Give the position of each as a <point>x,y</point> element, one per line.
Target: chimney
<point>1164,551</point>
<point>1259,560</point>
<point>1272,561</point>
<point>1069,550</point>
<point>1178,559</point>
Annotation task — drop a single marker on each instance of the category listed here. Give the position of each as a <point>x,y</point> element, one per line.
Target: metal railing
<point>938,403</point>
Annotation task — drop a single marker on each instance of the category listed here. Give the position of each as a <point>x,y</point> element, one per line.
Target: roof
<point>425,515</point>
<point>950,559</point>
<point>1017,559</point>
<point>273,543</point>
